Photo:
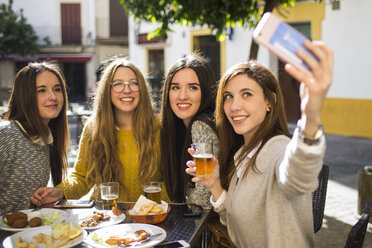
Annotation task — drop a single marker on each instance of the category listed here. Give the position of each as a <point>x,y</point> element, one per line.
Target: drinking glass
<point>152,191</point>
<point>109,195</point>
<point>203,158</point>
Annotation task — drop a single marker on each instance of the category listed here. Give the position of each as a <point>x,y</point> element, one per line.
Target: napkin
<point>143,200</point>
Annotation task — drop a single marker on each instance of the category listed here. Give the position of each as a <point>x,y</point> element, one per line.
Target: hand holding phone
<point>281,39</point>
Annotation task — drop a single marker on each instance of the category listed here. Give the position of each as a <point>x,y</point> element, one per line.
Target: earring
<point>268,109</point>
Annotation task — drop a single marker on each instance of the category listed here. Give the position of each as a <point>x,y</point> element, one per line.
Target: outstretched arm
<point>314,87</point>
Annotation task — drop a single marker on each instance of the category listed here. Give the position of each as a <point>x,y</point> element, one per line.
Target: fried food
<point>146,208</point>
<point>16,219</point>
<point>34,222</point>
<point>89,223</point>
<point>157,210</point>
<point>94,219</point>
<point>119,241</point>
<point>19,215</point>
<point>20,223</point>
<point>10,219</point>
<point>116,211</point>
<point>42,238</point>
<point>150,208</point>
<point>23,244</point>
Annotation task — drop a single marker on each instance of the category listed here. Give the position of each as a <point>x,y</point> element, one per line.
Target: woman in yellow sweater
<point>120,141</point>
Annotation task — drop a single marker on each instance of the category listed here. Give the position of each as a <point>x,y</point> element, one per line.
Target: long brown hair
<point>22,107</point>
<point>175,136</point>
<point>275,122</point>
<point>103,158</point>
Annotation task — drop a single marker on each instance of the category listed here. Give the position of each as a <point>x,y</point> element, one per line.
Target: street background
<point>345,155</point>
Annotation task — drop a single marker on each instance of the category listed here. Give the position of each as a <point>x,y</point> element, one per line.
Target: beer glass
<point>152,191</point>
<point>109,195</point>
<point>203,158</point>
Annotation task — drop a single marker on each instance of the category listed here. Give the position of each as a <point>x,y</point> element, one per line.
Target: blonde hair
<point>103,158</point>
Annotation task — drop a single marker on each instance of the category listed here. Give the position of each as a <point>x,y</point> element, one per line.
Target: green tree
<point>218,15</point>
<point>16,35</point>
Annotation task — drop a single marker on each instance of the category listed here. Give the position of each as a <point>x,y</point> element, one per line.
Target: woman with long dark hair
<point>34,135</point>
<point>187,108</point>
<point>263,182</point>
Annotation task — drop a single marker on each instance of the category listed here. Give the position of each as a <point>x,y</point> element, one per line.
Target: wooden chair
<point>319,197</point>
<point>357,233</point>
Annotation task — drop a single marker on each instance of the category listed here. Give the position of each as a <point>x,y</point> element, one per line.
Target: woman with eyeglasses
<point>119,143</point>
<point>34,135</point>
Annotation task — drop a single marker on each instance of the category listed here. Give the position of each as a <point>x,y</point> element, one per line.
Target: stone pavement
<point>345,155</point>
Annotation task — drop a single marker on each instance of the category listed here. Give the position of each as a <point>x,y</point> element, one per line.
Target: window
<point>209,47</point>
<point>118,20</point>
<point>70,22</point>
<point>156,72</point>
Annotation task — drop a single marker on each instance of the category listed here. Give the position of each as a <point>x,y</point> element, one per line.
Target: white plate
<point>44,212</point>
<point>84,214</point>
<point>26,235</point>
<point>122,229</point>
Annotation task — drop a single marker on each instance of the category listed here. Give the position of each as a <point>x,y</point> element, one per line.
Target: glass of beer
<point>109,195</point>
<point>152,191</point>
<point>203,158</point>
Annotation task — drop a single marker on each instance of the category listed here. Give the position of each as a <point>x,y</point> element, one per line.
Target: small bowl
<point>150,218</point>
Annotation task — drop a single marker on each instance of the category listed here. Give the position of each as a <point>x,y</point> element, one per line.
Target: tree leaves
<point>16,35</point>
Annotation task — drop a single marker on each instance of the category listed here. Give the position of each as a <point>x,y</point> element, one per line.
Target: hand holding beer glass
<point>109,195</point>
<point>152,191</point>
<point>203,158</point>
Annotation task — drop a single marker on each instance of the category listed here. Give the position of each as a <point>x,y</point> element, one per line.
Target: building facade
<point>342,25</point>
<point>82,33</point>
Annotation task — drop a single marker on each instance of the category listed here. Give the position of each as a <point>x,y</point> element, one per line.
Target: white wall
<point>348,32</point>
<point>45,17</point>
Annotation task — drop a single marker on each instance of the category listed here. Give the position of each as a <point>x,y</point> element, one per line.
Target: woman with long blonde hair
<point>119,143</point>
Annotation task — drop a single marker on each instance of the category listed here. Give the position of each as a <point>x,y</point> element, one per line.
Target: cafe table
<point>176,225</point>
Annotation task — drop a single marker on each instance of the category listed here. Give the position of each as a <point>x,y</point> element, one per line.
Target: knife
<point>145,240</point>
<point>36,209</point>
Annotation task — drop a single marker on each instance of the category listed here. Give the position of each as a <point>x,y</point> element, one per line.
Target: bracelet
<point>307,140</point>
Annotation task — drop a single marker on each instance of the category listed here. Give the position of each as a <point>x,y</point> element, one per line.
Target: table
<point>175,224</point>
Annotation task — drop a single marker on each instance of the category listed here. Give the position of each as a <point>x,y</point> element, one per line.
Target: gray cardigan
<point>24,167</point>
<point>202,132</point>
<point>273,208</point>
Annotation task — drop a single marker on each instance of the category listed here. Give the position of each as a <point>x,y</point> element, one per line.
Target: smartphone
<point>282,40</point>
<point>74,204</point>
<point>192,210</point>
<point>175,244</point>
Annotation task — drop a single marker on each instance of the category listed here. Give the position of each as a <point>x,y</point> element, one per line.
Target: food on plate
<point>16,218</point>
<point>127,241</point>
<point>116,211</point>
<point>19,215</point>
<point>43,238</point>
<point>33,219</point>
<point>95,219</point>
<point>150,208</point>
<point>23,244</point>
<point>62,233</point>
<point>20,223</point>
<point>34,222</point>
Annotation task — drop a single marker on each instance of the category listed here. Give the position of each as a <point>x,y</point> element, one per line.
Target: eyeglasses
<point>119,86</point>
